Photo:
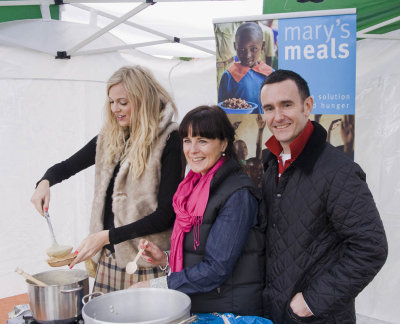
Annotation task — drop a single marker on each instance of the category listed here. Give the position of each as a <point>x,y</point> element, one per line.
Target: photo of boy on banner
<point>254,45</point>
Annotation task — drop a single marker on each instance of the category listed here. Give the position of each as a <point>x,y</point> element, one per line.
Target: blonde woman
<point>137,158</point>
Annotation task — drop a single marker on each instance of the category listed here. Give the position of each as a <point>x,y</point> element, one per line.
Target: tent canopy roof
<point>164,28</point>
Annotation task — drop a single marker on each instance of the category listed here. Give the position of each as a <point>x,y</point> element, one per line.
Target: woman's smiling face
<point>120,105</point>
<point>202,153</point>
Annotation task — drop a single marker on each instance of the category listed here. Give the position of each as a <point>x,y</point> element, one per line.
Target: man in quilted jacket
<point>325,238</point>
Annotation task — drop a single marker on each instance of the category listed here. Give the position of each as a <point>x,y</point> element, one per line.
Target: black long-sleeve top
<point>160,220</point>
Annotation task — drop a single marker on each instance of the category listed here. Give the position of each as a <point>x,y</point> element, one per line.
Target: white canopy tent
<point>50,108</point>
<point>167,27</point>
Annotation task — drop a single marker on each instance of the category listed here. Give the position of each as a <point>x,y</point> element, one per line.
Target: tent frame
<point>124,19</point>
<point>117,21</point>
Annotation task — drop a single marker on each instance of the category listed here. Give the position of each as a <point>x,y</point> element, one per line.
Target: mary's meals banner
<point>323,51</point>
<point>318,45</point>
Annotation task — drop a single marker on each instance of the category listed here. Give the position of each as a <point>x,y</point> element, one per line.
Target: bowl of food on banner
<point>238,106</point>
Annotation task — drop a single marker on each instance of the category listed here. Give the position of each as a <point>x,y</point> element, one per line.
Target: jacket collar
<point>312,150</point>
<point>230,166</point>
<point>296,147</point>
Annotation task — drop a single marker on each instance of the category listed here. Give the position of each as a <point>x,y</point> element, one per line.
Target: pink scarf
<point>189,202</point>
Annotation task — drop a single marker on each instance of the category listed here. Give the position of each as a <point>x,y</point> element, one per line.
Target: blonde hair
<point>147,99</point>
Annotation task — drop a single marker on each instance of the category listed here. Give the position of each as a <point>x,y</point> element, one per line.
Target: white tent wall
<point>50,108</point>
<point>377,150</point>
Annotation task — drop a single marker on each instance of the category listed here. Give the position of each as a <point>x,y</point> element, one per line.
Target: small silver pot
<point>140,305</point>
<point>61,301</point>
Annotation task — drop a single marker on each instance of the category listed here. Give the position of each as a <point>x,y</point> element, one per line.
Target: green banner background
<point>369,12</point>
<point>9,13</point>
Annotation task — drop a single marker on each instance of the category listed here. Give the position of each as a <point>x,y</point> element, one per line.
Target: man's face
<point>248,48</point>
<point>285,113</point>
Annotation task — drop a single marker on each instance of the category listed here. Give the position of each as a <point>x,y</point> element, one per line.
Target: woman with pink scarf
<point>217,245</point>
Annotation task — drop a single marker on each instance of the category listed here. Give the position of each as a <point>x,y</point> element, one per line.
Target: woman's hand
<point>90,246</point>
<point>152,254</point>
<point>141,284</point>
<point>41,196</point>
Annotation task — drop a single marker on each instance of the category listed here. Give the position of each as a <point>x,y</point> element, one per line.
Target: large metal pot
<point>60,301</point>
<point>140,305</point>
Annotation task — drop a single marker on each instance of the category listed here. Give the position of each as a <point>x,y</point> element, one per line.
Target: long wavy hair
<point>147,99</point>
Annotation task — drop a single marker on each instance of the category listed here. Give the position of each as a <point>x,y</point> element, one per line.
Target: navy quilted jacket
<point>241,293</point>
<point>325,237</point>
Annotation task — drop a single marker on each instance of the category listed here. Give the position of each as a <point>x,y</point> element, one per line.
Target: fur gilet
<point>132,199</point>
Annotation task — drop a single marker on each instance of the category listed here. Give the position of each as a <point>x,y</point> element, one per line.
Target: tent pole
<point>147,29</point>
<point>108,27</point>
<point>201,48</point>
<point>52,2</point>
<point>133,46</point>
<point>184,41</point>
<point>122,47</point>
<point>107,1</point>
<point>129,23</point>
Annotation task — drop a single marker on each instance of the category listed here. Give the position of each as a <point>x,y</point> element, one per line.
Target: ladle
<point>131,267</point>
<point>55,250</point>
<point>29,277</point>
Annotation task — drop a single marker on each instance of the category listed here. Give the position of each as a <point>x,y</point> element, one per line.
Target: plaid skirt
<point>109,277</point>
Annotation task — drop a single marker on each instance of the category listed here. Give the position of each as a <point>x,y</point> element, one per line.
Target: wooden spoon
<point>61,261</point>
<point>131,267</point>
<point>29,277</point>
